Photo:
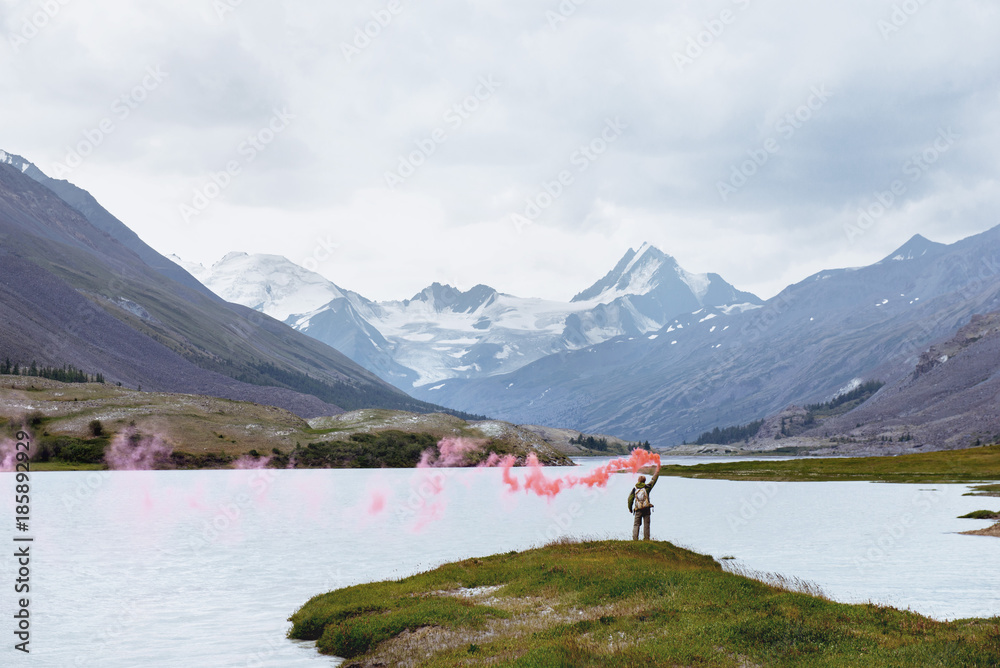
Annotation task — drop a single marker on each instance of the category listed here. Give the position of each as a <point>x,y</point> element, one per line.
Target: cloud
<point>701,87</point>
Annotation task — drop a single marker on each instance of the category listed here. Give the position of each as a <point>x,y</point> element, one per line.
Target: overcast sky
<point>403,156</point>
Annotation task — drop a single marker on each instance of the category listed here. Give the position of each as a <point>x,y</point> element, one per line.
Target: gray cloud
<point>702,88</point>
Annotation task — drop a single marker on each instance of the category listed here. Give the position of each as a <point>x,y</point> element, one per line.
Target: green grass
<point>980,515</point>
<point>984,490</point>
<point>971,465</point>
<point>615,603</point>
<point>55,465</point>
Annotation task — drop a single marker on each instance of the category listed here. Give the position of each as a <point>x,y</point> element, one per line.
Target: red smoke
<point>8,454</point>
<point>250,462</point>
<point>536,481</point>
<point>451,452</point>
<point>131,451</point>
<point>377,503</point>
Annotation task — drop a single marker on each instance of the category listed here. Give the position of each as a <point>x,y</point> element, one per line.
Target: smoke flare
<point>536,481</point>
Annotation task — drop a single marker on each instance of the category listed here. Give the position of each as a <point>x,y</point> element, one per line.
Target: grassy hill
<point>207,431</point>
<point>622,604</point>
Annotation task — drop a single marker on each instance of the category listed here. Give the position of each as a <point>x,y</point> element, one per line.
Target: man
<point>643,508</point>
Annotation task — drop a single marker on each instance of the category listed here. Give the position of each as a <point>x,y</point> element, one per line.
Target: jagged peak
<point>444,296</point>
<point>629,263</point>
<point>918,246</point>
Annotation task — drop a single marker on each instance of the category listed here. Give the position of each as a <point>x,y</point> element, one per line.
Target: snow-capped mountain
<point>644,291</point>
<point>268,283</point>
<point>443,333</point>
<point>718,367</point>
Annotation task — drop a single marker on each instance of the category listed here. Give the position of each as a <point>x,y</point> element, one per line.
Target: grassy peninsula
<point>616,603</point>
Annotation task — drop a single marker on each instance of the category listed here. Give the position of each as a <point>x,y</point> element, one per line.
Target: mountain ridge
<point>712,367</point>
<point>443,332</point>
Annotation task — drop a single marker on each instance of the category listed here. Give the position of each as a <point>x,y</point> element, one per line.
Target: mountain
<point>917,247</point>
<point>645,290</point>
<point>92,295</point>
<point>84,203</point>
<point>443,333</point>
<point>949,399</point>
<point>721,366</point>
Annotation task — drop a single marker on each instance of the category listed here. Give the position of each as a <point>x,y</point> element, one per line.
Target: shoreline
<point>652,603</point>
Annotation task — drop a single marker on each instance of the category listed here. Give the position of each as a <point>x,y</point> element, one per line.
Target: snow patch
<point>698,283</point>
<point>850,387</point>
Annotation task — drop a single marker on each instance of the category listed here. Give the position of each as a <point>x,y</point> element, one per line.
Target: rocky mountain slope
<point>950,399</point>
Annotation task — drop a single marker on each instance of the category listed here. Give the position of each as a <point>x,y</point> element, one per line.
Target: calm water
<point>202,568</point>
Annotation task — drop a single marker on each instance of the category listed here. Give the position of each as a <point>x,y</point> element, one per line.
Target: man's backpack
<point>642,499</point>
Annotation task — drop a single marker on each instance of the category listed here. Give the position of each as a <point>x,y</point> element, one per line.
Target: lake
<point>203,568</point>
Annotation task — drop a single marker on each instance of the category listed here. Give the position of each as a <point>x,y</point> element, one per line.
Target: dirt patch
<point>989,531</point>
<point>529,614</point>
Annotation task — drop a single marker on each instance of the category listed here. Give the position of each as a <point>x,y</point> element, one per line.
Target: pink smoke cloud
<point>451,452</point>
<point>8,455</point>
<point>131,451</point>
<point>377,504</point>
<point>251,463</point>
<point>536,481</point>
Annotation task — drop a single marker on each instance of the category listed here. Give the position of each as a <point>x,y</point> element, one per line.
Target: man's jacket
<point>640,485</point>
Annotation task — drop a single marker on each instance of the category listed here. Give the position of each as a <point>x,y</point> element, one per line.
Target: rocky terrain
<point>950,399</point>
